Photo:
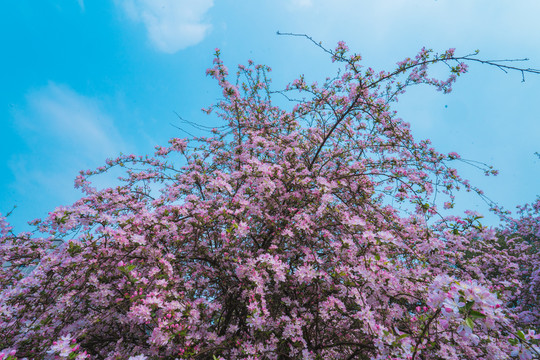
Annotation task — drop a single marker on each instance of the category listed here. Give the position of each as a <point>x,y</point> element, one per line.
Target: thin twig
<point>11,211</point>
<point>318,44</point>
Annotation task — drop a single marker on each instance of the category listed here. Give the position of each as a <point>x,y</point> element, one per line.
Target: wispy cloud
<point>70,119</point>
<point>64,132</point>
<point>172,25</point>
<point>81,4</point>
<point>301,3</point>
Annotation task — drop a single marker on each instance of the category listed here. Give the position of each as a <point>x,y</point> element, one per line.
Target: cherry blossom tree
<point>315,232</point>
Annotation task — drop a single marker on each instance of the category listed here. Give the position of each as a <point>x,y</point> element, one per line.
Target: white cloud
<point>172,25</point>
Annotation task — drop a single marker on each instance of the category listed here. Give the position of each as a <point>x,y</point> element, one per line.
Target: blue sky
<point>85,80</point>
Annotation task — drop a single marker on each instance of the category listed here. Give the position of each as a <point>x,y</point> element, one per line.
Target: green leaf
<point>469,305</point>
<point>521,335</point>
<point>469,322</point>
<point>74,249</point>
<point>476,315</point>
